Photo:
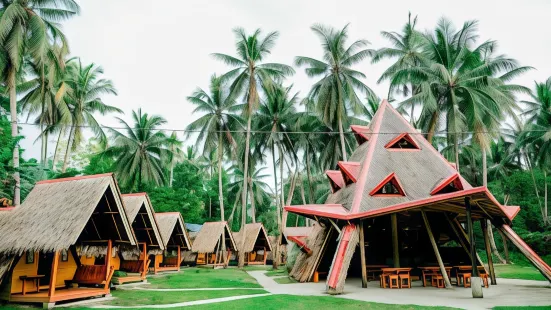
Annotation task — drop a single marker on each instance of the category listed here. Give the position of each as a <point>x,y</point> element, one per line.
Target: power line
<point>285,132</point>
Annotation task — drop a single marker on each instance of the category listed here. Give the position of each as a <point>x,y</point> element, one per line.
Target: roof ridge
<point>377,121</point>
<point>82,177</point>
<point>134,194</point>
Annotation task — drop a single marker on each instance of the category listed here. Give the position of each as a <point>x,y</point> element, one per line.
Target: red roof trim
<point>336,178</point>
<point>453,178</point>
<point>358,194</point>
<point>361,133</point>
<point>511,211</point>
<point>134,194</point>
<point>351,169</point>
<point>405,136</point>
<point>387,179</point>
<point>75,178</point>
<point>7,208</point>
<point>514,235</point>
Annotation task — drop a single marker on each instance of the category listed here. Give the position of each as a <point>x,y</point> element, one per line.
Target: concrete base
<point>476,286</point>
<point>48,305</point>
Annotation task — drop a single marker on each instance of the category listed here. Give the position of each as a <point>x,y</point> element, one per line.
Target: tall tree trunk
<point>484,167</point>
<point>340,108</point>
<point>230,218</point>
<point>456,151</point>
<point>253,206</point>
<point>171,177</point>
<point>432,126</point>
<point>220,193</point>
<point>276,255</point>
<point>529,162</point>
<point>310,185</point>
<point>42,109</point>
<point>68,150</point>
<point>545,214</point>
<point>56,151</point>
<point>14,134</point>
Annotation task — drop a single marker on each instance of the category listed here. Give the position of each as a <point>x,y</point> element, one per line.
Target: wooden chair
<point>393,281</point>
<point>428,274</point>
<point>201,259</point>
<point>466,277</point>
<point>405,280</point>
<point>438,281</point>
<point>384,280</point>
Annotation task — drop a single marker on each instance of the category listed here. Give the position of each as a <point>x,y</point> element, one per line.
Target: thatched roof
<point>297,232</point>
<point>255,236</point>
<point>142,216</point>
<point>173,231</point>
<point>60,213</point>
<point>209,235</point>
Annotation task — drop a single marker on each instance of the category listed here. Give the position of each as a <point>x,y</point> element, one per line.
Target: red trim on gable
<point>454,178</point>
<point>134,194</point>
<point>514,235</point>
<point>75,178</point>
<point>511,211</point>
<point>361,133</point>
<point>358,194</point>
<point>351,169</point>
<point>336,180</point>
<point>404,136</point>
<point>301,244</point>
<point>7,208</point>
<point>389,178</point>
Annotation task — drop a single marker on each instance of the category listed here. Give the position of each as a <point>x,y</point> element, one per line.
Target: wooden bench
<point>35,278</point>
<point>91,275</point>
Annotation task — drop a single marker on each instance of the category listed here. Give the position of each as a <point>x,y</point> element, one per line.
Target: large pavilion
<point>404,205</point>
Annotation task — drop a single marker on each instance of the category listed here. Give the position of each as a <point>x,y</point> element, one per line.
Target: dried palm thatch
<point>189,257</point>
<point>305,264</point>
<point>348,241</point>
<point>172,229</point>
<point>210,234</point>
<point>56,212</point>
<point>255,235</point>
<point>142,217</point>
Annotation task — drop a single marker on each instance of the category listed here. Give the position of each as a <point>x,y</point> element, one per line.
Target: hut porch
<point>164,262</point>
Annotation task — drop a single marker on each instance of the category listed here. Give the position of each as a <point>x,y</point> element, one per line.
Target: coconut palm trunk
<point>340,116</point>
<point>309,172</point>
<point>251,196</point>
<point>68,150</point>
<point>220,193</point>
<point>14,134</point>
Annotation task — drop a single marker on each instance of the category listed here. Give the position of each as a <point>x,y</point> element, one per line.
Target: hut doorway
<point>45,266</point>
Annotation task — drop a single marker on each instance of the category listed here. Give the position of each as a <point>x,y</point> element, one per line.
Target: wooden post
<point>144,252</point>
<point>505,247</point>
<point>395,247</point>
<point>488,251</point>
<point>53,277</point>
<point>362,255</point>
<point>108,258</point>
<point>459,237</point>
<point>475,279</point>
<point>179,257</point>
<point>436,252</point>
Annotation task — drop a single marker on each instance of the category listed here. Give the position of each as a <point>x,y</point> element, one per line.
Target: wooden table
<point>373,270</point>
<point>433,270</point>
<point>388,271</point>
<point>35,278</point>
<point>469,269</point>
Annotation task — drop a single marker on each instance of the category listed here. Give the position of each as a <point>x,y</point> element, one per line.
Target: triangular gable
<point>336,180</point>
<point>402,142</point>
<point>350,171</point>
<point>389,186</point>
<point>253,232</point>
<point>207,238</point>
<point>361,133</point>
<point>142,218</point>
<point>172,229</point>
<point>63,212</point>
<point>449,185</point>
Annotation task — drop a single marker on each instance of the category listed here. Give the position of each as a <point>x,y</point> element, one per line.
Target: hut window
<point>64,256</point>
<point>29,257</point>
<point>402,142</point>
<point>449,185</point>
<point>388,187</point>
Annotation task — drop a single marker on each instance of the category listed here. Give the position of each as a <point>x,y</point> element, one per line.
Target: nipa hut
<point>135,264</point>
<point>175,238</point>
<point>254,243</point>
<point>403,204</point>
<point>209,246</point>
<point>59,242</point>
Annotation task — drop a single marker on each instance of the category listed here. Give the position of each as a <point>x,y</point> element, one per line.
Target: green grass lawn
<point>524,308</point>
<point>202,278</point>
<point>285,280</point>
<point>277,273</point>
<point>141,297</point>
<point>518,272</point>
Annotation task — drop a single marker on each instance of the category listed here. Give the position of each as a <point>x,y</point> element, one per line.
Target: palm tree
<point>249,75</point>
<point>26,28</point>
<point>407,50</point>
<point>335,93</point>
<point>175,154</point>
<point>215,126</point>
<point>139,150</point>
<point>84,88</point>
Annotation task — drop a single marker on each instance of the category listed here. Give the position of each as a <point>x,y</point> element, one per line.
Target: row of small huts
<point>73,237</point>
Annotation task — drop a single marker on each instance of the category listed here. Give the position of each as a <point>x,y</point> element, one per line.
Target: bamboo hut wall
<point>23,269</point>
<point>304,265</point>
<point>66,270</point>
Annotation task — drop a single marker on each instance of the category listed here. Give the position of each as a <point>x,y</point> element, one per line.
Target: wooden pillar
<point>179,257</point>
<point>475,279</point>
<point>144,252</point>
<point>362,254</point>
<point>488,251</point>
<point>53,277</point>
<point>505,247</point>
<point>436,252</point>
<point>395,246</point>
<point>108,258</point>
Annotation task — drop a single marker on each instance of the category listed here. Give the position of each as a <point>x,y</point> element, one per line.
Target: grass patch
<point>142,297</point>
<point>204,278</point>
<point>524,307</point>
<point>275,302</point>
<point>257,267</point>
<point>518,272</point>
<point>277,273</point>
<point>285,280</point>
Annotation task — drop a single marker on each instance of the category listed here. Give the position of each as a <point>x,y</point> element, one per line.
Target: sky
<point>158,52</point>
